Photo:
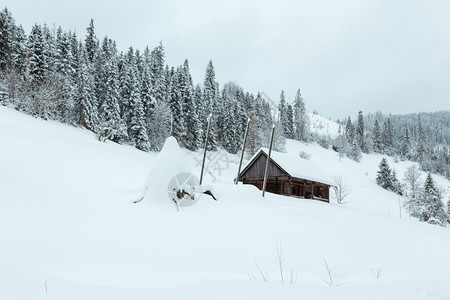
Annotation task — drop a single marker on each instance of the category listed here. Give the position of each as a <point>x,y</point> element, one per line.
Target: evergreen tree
<point>157,72</point>
<point>254,135</point>
<point>176,106</point>
<point>7,32</point>
<point>91,42</point>
<point>377,144</point>
<point>161,118</point>
<point>210,97</point>
<point>360,139</point>
<point>37,63</point>
<point>290,122</point>
<point>433,208</point>
<point>301,119</point>
<point>283,116</point>
<point>111,125</point>
<point>137,128</point>
<point>421,142</point>
<point>191,122</point>
<point>384,175</point>
<point>198,104</point>
<point>354,152</point>
<point>63,64</point>
<point>387,136</point>
<point>340,144</point>
<point>349,131</point>
<point>85,93</point>
<point>19,50</point>
<point>406,146</point>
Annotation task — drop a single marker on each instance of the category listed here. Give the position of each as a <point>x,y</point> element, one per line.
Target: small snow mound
<point>169,162</point>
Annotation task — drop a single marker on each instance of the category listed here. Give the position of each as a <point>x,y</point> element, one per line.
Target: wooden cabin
<point>288,176</point>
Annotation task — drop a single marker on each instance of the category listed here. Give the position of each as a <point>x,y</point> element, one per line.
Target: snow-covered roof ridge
<point>297,166</point>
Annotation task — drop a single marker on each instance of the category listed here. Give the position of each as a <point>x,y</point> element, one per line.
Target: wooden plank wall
<point>257,169</point>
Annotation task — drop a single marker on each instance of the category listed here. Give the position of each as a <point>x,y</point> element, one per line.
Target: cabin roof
<point>294,166</point>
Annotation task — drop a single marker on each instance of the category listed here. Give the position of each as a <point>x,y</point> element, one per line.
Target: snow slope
<point>323,126</point>
<point>69,228</point>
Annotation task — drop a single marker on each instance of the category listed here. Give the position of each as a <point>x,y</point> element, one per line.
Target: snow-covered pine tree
<point>41,90</point>
<point>283,116</point>
<point>198,104</point>
<point>12,60</point>
<point>111,126</point>
<point>301,119</point>
<point>99,74</point>
<point>176,106</point>
<point>148,100</point>
<point>359,132</point>
<point>433,211</point>
<point>192,124</point>
<point>290,121</point>
<point>421,149</point>
<point>85,93</point>
<point>279,141</point>
<point>19,51</point>
<point>37,64</point>
<point>376,138</point>
<point>340,143</point>
<point>159,79</point>
<point>387,137</point>
<point>137,129</point>
<point>125,65</point>
<point>161,130</point>
<point>91,42</point>
<point>349,131</point>
<point>7,32</point>
<point>63,65</point>
<point>405,150</point>
<point>210,97</point>
<point>354,152</point>
<point>254,135</point>
<point>384,175</point>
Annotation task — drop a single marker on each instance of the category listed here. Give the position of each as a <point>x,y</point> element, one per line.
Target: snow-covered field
<point>69,228</point>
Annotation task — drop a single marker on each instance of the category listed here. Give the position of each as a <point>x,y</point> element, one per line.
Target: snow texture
<point>69,228</point>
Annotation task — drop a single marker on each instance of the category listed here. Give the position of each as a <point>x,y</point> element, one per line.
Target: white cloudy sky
<point>345,56</point>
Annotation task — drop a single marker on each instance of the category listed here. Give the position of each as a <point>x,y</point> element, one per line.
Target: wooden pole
<point>268,160</point>
<point>243,149</point>
<point>204,150</point>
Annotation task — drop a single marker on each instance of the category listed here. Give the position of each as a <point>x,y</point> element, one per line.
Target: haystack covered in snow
<point>170,162</point>
<point>287,175</point>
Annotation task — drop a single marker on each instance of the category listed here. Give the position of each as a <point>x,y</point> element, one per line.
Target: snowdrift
<point>70,231</point>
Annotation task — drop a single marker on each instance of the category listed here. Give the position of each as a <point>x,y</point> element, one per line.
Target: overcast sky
<point>344,56</point>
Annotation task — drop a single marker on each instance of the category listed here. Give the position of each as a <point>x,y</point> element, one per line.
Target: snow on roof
<point>297,166</point>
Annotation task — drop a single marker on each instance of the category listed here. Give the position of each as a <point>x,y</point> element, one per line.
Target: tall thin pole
<point>267,161</point>
<point>243,149</point>
<point>206,146</point>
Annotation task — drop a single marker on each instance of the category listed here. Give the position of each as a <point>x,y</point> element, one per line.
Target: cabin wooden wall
<point>258,168</point>
<point>296,187</point>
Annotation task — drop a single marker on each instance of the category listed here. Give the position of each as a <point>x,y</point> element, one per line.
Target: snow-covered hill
<point>323,126</point>
<point>69,228</point>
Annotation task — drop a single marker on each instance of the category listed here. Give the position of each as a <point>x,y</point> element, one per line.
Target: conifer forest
<point>133,97</point>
